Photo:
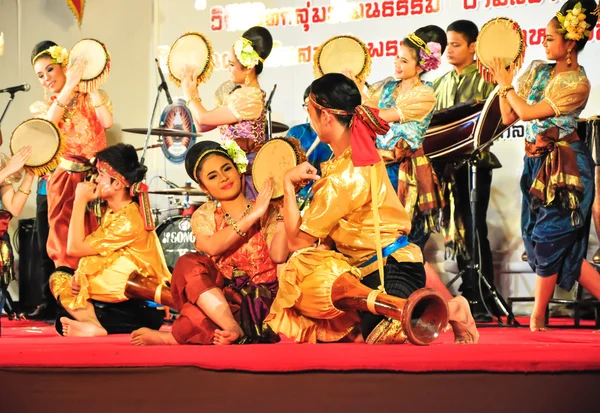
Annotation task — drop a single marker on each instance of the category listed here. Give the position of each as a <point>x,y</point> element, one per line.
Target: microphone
<point>170,183</point>
<point>163,85</point>
<point>268,105</point>
<point>13,89</point>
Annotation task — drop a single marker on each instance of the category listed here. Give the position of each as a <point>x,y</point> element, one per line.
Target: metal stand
<point>473,267</point>
<point>269,121</point>
<point>10,100</point>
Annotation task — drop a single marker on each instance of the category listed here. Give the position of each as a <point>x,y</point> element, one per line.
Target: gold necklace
<point>234,224</point>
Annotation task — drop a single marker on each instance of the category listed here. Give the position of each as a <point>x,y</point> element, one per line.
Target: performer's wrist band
<point>503,92</point>
<point>60,105</point>
<point>195,98</point>
<point>102,103</point>
<point>24,191</point>
<point>235,227</point>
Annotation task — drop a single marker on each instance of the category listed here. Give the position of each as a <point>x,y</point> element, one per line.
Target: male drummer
<point>461,84</point>
<point>307,136</point>
<point>94,298</point>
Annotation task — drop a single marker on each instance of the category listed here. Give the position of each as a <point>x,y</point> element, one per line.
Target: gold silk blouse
<point>342,209</point>
<point>122,246</point>
<point>246,103</point>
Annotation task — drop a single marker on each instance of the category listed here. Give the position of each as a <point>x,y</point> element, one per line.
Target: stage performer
<point>125,242</point>
<point>224,294</point>
<point>342,215</point>
<point>407,103</point>
<point>82,118</point>
<point>558,177</point>
<point>240,113</point>
<point>461,84</point>
<point>307,137</point>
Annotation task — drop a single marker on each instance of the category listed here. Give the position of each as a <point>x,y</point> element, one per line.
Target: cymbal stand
<point>269,121</point>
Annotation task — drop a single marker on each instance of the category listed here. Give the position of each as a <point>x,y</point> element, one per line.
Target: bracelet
<point>503,92</point>
<point>60,105</point>
<point>235,227</point>
<point>279,217</point>
<point>187,102</point>
<point>25,191</point>
<point>100,104</point>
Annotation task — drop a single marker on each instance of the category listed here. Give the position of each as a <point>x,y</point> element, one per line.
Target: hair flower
<point>245,53</point>
<point>573,26</point>
<point>237,155</point>
<point>430,56</point>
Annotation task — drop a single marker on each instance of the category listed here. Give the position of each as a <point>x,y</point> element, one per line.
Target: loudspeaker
<point>30,268</point>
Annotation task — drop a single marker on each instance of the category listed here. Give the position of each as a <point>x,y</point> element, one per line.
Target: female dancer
<point>240,111</point>
<point>558,178</point>
<point>224,296</point>
<point>82,119</point>
<point>408,103</point>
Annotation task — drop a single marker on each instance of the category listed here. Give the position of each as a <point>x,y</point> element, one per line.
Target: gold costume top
<point>123,246</point>
<point>342,209</point>
<point>250,257</point>
<point>452,88</point>
<point>81,128</point>
<point>248,106</point>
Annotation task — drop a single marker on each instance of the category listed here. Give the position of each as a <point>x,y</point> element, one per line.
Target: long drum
<point>454,132</point>
<point>140,287</point>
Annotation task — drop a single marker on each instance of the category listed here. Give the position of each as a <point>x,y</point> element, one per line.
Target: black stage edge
<point>190,389</point>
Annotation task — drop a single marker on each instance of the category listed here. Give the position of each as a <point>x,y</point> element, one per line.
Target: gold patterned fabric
<point>123,246</point>
<point>81,128</point>
<point>246,103</point>
<point>342,209</point>
<point>251,257</point>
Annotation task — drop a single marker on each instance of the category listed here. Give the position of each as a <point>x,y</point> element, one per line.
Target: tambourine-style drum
<point>499,37</point>
<point>340,53</point>
<point>191,49</point>
<point>273,160</point>
<point>97,63</point>
<point>176,238</point>
<point>48,148</point>
<point>457,130</point>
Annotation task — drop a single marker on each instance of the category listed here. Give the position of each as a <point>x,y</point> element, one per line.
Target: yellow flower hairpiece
<point>573,26</point>
<point>245,53</point>
<point>58,55</point>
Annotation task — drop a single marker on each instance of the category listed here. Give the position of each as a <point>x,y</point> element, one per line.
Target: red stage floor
<point>28,344</point>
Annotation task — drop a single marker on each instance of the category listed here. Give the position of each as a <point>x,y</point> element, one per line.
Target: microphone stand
<point>10,100</point>
<point>161,87</point>
<point>268,107</point>
<point>474,262</point>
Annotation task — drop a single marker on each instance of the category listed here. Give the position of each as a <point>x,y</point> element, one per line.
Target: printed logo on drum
<point>177,116</point>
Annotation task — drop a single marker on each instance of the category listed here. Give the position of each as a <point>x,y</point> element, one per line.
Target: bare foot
<point>537,324</point>
<point>462,322</point>
<point>73,328</point>
<point>225,337</point>
<point>147,337</point>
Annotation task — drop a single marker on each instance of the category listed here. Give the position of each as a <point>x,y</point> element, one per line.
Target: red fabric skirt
<point>61,194</point>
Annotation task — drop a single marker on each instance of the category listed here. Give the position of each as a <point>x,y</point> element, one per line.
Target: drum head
<point>273,160</point>
<point>191,49</point>
<point>500,37</point>
<point>49,144</point>
<point>97,66</point>
<point>340,53</point>
<point>176,239</point>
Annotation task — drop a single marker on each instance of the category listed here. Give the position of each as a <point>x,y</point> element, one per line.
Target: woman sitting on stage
<point>558,178</point>
<point>408,103</point>
<point>82,119</point>
<point>224,296</point>
<point>240,112</point>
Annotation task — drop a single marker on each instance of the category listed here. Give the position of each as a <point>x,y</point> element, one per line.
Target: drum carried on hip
<point>97,63</point>
<point>194,50</point>
<point>273,160</point>
<point>48,148</point>
<point>454,132</point>
<point>340,53</point>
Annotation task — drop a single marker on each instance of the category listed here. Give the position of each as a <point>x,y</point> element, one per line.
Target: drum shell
<point>176,238</point>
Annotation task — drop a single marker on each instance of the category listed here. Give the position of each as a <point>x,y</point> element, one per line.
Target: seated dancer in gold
<point>347,213</point>
<point>94,298</point>
<point>224,296</point>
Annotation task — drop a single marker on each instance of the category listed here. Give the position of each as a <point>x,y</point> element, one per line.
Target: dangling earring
<point>247,80</point>
<point>45,94</point>
<point>568,57</point>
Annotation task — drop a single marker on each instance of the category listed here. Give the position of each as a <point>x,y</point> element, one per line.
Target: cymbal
<point>162,132</point>
<point>156,145</point>
<point>178,191</point>
<point>279,127</point>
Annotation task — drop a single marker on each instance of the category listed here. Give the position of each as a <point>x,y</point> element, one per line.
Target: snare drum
<point>176,238</point>
<point>340,53</point>
<point>97,63</point>
<point>273,160</point>
<point>48,148</point>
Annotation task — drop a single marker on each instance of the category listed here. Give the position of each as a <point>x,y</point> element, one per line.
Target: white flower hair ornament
<point>245,53</point>
<point>237,155</point>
